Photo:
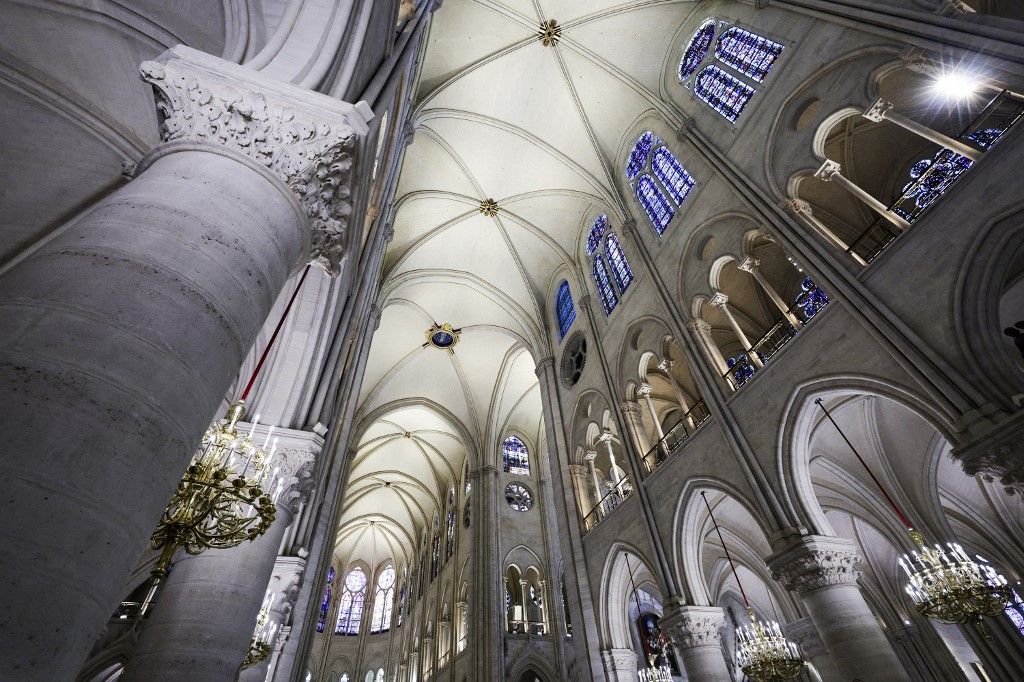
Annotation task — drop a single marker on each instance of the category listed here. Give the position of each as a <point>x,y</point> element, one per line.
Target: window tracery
<point>516,456</point>
<point>745,53</point>
<point>383,601</point>
<point>449,542</point>
<point>604,248</point>
<point>435,550</point>
<point>350,604</point>
<point>660,182</point>
<point>518,497</point>
<point>564,308</point>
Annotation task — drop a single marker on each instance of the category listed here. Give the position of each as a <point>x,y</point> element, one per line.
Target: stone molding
<point>998,456</point>
<point>805,633</point>
<point>619,660</point>
<point>694,626</point>
<point>629,407</point>
<point>796,207</point>
<point>542,365</point>
<point>295,461</point>
<point>828,169</point>
<point>877,111</point>
<point>306,139</point>
<point>814,563</point>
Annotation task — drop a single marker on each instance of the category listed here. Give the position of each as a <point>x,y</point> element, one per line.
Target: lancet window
<point>383,601</point>
<point>350,604</point>
<point>564,308</point>
<point>516,456</point>
<point>659,181</point>
<point>435,550</point>
<point>604,249</point>
<point>449,531</point>
<point>738,55</point>
<point>325,602</point>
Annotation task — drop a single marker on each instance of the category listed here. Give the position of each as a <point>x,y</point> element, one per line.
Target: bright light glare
<point>955,85</point>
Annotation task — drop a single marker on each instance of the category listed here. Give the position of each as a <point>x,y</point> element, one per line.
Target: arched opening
<point>515,614</point>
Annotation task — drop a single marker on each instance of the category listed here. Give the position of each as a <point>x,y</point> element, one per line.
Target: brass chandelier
<point>262,637</point>
<point>944,583</point>
<point>762,651</point>
<point>229,492</point>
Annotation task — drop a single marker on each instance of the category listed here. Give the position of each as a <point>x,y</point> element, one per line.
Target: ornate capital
<point>543,365</point>
<point>748,264</point>
<point>877,111</point>
<point>408,133</point>
<point>827,170</point>
<point>590,457</point>
<point>666,365</point>
<point>375,315</point>
<point>295,462</point>
<point>719,300</point>
<point>699,326</point>
<point>644,390</point>
<point>306,139</point>
<point>796,207</point>
<point>998,455</point>
<point>577,470</point>
<point>814,563</point>
<point>695,626</point>
<point>618,661</point>
<point>806,635</point>
<point>628,407</point>
<point>389,233</point>
<point>585,301</point>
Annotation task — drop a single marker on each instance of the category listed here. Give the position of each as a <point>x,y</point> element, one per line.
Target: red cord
<point>273,337</point>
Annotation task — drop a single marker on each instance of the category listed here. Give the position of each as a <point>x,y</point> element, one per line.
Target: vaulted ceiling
<point>543,130</point>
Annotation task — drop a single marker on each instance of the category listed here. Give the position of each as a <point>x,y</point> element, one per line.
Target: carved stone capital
<point>408,133</point>
<point>389,233</point>
<point>285,583</point>
<point>543,365</point>
<point>719,300</point>
<point>827,170</point>
<point>997,456</point>
<point>796,207</point>
<point>806,636</point>
<point>619,661</point>
<point>694,626</point>
<point>877,111</point>
<point>585,301</point>
<point>629,225</point>
<point>748,264</point>
<point>666,365</point>
<point>306,139</point>
<point>295,462</point>
<point>699,326</point>
<point>375,315</point>
<point>590,457</point>
<point>644,390</point>
<point>814,563</point>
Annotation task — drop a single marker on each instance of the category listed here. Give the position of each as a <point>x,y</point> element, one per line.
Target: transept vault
<point>526,340</point>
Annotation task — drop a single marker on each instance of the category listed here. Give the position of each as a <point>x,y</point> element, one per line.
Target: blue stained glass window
<point>515,456</point>
<point>604,286</point>
<point>672,174</point>
<point>747,52</point>
<point>722,92</point>
<point>658,209</point>
<point>350,605</point>
<point>596,233</point>
<point>449,540</point>
<point>638,156</point>
<point>1015,612</point>
<point>435,551</point>
<point>811,299</point>
<point>325,603</point>
<point>929,180</point>
<point>697,49</point>
<point>620,267</point>
<point>564,308</point>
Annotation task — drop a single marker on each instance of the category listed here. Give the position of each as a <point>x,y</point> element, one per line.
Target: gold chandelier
<point>944,583</point>
<point>762,651</point>
<point>260,644</point>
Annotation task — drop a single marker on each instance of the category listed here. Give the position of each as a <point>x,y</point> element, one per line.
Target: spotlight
<point>955,84</point>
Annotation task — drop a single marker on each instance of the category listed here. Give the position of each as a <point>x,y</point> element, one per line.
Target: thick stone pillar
<point>201,625</point>
<point>698,636</point>
<point>804,633</point>
<point>122,333</point>
<point>823,572</point>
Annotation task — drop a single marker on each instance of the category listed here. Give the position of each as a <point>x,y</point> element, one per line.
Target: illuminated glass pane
<point>350,605</point>
<point>515,456</point>
<point>620,267</point>
<point>677,180</point>
<point>383,600</point>
<point>449,541</point>
<point>638,156</point>
<point>657,207</point>
<point>697,49</point>
<point>722,92</point>
<point>518,497</point>
<point>596,233</point>
<point>747,52</point>
<point>565,309</point>
<point>604,286</point>
<point>325,603</point>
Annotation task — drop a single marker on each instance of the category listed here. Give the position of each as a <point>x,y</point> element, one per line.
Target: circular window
<point>574,358</point>
<point>443,336</point>
<point>518,497</point>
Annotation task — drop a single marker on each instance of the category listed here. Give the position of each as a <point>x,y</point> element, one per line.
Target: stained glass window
<point>565,308</point>
<point>620,267</point>
<point>747,52</point>
<point>325,603</point>
<point>697,49</point>
<point>401,601</point>
<point>515,456</point>
<point>658,209</point>
<point>1015,612</point>
<point>638,156</point>
<point>350,605</point>
<point>722,92</point>
<point>596,233</point>
<point>518,497</point>
<point>604,286</point>
<point>449,540</point>
<point>435,550</point>
<point>380,675</point>
<point>670,172</point>
<point>929,180</point>
<point>383,601</point>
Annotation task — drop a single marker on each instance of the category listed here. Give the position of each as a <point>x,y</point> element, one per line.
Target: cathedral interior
<point>525,340</point>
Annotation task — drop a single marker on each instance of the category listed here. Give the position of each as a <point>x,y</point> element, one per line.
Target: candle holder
<point>764,653</point>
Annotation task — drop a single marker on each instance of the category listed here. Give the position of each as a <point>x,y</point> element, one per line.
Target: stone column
<point>805,635</point>
<point>578,475</point>
<point>823,572</point>
<point>590,458</point>
<point>123,332</point>
<point>684,400</point>
<point>882,110</point>
<point>634,425</point>
<point>645,392</point>
<point>801,210</point>
<point>620,665</point>
<point>830,172</point>
<point>749,265</point>
<point>284,584</point>
<point>613,470</point>
<point>720,300</point>
<point>698,637</point>
<point>702,330</point>
<point>202,623</point>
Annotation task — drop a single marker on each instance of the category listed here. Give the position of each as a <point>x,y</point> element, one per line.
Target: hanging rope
<point>728,556</point>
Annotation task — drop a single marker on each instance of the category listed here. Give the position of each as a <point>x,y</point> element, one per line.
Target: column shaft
<point>871,202</point>
<point>120,337</point>
<point>747,346</point>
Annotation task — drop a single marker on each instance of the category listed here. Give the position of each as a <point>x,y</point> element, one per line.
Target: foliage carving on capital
<point>997,457</point>
<point>877,111</point>
<point>696,627</point>
<point>297,472</point>
<point>807,568</point>
<point>303,138</point>
<point>828,169</point>
<point>629,407</point>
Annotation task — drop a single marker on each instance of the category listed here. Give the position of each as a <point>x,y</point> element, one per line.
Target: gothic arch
<point>616,593</point>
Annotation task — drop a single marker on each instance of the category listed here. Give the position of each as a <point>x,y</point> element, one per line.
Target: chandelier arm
<point>892,503</point>
<point>273,337</point>
<point>746,602</point>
